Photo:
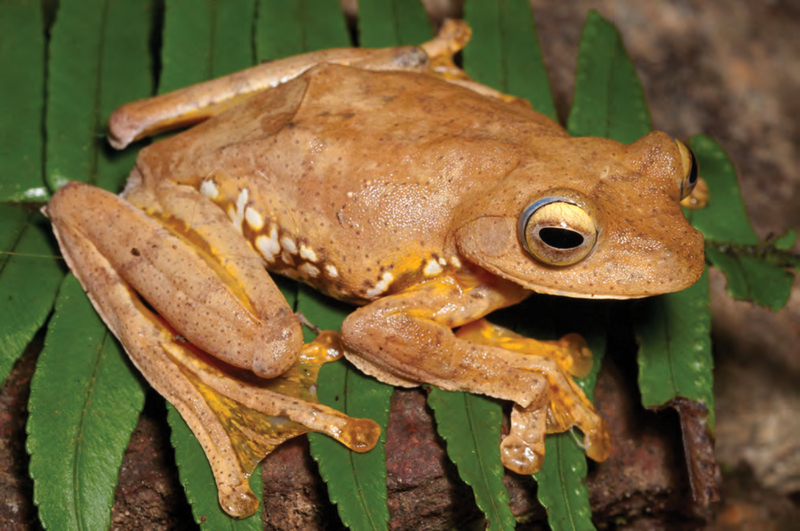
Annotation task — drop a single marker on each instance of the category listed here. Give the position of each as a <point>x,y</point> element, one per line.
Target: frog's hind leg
<point>114,250</point>
<point>183,256</point>
<point>196,103</point>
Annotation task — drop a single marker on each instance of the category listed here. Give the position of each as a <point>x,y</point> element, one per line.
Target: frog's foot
<point>567,406</point>
<point>117,251</point>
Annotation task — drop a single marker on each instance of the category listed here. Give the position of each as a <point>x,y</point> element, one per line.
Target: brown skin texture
<point>396,190</point>
<point>378,172</point>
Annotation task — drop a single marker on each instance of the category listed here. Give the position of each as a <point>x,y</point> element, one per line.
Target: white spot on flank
<point>209,189</point>
<point>442,262</point>
<point>381,286</point>
<point>238,216</point>
<point>253,218</point>
<point>308,253</point>
<point>308,270</point>
<point>433,268</point>
<point>269,247</point>
<point>332,272</point>
<point>288,244</point>
<point>287,258</point>
<point>455,261</point>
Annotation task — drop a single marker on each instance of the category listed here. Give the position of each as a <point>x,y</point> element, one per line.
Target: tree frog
<point>388,179</point>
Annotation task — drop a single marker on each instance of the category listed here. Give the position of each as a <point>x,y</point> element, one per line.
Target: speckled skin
<point>399,191</point>
<point>384,171</point>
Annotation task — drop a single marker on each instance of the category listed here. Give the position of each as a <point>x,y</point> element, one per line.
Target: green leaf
<point>384,23</point>
<point>356,482</point>
<point>29,279</point>
<point>504,52</point>
<point>562,485</point>
<point>198,481</point>
<point>787,241</point>
<point>731,243</point>
<point>609,100</point>
<point>84,404</point>
<point>99,59</point>
<point>22,54</point>
<point>675,347</point>
<point>13,220</point>
<point>725,197</point>
<point>204,39</point>
<point>291,28</point>
<point>470,424</point>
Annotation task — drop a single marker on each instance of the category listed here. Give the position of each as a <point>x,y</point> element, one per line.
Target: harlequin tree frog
<point>388,179</point>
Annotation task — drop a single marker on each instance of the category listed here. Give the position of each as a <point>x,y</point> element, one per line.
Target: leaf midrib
<point>362,502</point>
<point>562,482</point>
<point>478,454</point>
<point>77,451</point>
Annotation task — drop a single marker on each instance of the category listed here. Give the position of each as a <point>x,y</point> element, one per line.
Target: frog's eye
<point>557,231</point>
<point>690,169</point>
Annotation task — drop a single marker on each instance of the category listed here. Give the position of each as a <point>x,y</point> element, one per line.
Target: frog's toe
<point>597,441</point>
<point>579,361</point>
<point>238,502</point>
<point>523,449</point>
<point>360,435</point>
<point>520,456</point>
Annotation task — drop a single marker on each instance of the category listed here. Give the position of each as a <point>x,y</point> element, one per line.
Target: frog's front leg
<point>211,295</point>
<point>407,339</point>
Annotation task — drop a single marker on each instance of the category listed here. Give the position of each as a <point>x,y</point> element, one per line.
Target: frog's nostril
<point>561,238</point>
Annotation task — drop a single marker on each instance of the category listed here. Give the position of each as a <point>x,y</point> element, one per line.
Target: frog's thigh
<point>231,310</point>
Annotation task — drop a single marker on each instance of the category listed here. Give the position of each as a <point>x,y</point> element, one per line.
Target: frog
<point>390,180</point>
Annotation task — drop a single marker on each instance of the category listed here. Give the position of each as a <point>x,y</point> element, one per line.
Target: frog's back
<point>348,179</point>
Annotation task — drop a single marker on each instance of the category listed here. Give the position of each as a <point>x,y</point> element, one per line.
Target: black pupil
<point>560,238</point>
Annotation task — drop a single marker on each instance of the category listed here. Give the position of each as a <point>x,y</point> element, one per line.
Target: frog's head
<point>599,219</point>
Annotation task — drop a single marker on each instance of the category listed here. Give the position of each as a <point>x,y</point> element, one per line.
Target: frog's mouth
<point>637,269</point>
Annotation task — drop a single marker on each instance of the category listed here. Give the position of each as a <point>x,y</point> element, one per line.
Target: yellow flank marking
<point>308,253</point>
<point>381,286</point>
<point>253,218</point>
<point>309,270</point>
<point>332,271</point>
<point>209,189</point>
<point>432,268</point>
<point>288,245</point>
